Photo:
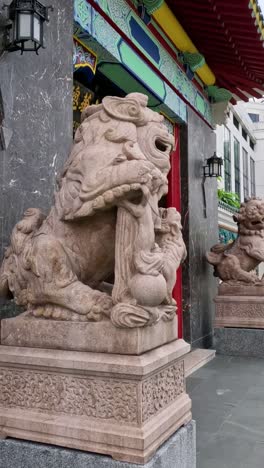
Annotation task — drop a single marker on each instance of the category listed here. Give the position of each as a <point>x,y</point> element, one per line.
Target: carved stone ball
<point>148,290</point>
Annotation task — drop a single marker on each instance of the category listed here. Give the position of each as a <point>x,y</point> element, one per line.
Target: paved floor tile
<point>228,406</point>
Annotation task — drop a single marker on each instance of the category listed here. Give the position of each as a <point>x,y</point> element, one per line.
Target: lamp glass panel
<point>24,26</point>
<point>206,171</point>
<point>216,169</point>
<point>36,29</point>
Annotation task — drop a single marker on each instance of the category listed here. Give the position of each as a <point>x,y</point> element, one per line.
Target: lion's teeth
<point>109,196</point>
<point>126,188</point>
<point>99,202</point>
<point>135,186</point>
<point>118,192</point>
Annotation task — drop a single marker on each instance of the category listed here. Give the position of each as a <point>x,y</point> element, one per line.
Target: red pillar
<point>174,199</point>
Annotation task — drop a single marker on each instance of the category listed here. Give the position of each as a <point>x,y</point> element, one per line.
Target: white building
<point>237,145</point>
<point>240,142</point>
<point>254,113</point>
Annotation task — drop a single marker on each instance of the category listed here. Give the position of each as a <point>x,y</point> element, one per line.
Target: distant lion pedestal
<point>239,320</point>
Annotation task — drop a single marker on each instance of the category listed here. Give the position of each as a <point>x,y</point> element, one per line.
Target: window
<point>237,166</point>
<point>252,178</point>
<point>254,117</point>
<point>245,173</point>
<point>235,122</point>
<point>251,144</point>
<point>227,159</point>
<point>244,134</point>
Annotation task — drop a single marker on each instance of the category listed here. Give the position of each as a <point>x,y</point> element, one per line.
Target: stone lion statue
<point>236,261</point>
<point>106,249</point>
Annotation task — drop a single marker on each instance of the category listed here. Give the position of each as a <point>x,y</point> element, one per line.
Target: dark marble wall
<point>200,232</point>
<point>37,102</point>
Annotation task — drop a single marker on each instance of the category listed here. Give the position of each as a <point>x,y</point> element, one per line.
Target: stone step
<point>196,359</point>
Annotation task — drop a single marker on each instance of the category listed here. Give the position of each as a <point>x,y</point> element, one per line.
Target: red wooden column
<point>174,199</point>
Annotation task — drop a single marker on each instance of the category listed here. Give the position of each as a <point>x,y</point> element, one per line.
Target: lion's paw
<point>102,307</point>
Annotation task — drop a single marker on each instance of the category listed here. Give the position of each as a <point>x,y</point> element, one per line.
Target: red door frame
<point>174,199</point>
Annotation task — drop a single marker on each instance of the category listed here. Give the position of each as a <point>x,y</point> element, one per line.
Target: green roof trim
<point>218,94</point>
<point>152,5</point>
<point>194,60</point>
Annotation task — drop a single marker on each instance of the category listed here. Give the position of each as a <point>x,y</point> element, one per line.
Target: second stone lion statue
<point>237,261</point>
<point>105,226</point>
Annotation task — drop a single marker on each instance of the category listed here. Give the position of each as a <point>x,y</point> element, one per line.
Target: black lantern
<point>25,29</point>
<point>213,167</point>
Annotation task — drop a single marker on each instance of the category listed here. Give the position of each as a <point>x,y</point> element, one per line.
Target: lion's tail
<point>213,258</point>
<point>32,220</point>
<point>216,254</point>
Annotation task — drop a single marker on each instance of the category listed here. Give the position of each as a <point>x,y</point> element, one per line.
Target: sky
<point>261,4</point>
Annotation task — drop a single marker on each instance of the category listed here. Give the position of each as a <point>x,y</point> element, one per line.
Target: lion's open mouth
<point>258,223</point>
<point>162,146</point>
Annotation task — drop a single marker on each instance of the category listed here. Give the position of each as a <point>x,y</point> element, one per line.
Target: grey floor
<point>228,406</point>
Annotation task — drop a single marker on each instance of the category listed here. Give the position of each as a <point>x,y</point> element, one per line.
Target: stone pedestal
<point>239,320</point>
<point>123,406</point>
<point>246,342</point>
<point>179,451</point>
<point>98,337</point>
<point>239,311</point>
<point>240,306</point>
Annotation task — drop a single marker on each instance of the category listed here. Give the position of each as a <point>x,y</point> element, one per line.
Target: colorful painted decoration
<point>82,98</point>
<point>152,5</point>
<point>225,236</point>
<point>82,56</point>
<point>128,68</point>
<point>194,60</point>
<point>218,94</point>
<point>175,32</point>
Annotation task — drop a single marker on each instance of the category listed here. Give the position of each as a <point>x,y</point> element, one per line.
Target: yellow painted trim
<point>167,118</point>
<point>171,26</point>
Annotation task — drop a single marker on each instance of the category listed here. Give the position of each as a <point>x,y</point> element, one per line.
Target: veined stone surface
<point>239,341</point>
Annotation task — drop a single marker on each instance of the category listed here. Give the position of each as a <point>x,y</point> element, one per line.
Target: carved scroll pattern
<point>103,399</point>
<point>162,389</point>
<point>247,310</point>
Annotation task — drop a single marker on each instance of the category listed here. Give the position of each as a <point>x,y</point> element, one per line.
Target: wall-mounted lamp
<point>213,167</point>
<point>23,29</point>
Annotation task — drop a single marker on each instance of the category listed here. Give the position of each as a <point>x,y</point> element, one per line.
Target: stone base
<point>238,289</point>
<point>239,311</point>
<point>123,406</point>
<point>178,452</point>
<point>97,337</point>
<point>239,342</point>
<point>197,359</point>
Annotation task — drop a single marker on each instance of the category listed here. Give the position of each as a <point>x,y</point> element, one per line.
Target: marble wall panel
<point>37,101</point>
<point>200,232</point>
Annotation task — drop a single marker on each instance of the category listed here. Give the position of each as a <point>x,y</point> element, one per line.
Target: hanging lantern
<point>25,29</point>
<point>213,167</point>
